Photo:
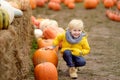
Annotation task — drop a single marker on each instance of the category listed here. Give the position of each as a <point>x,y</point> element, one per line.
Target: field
<point>103,62</point>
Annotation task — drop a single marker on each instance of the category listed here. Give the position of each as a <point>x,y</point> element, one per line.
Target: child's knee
<point>67,53</point>
<point>81,62</point>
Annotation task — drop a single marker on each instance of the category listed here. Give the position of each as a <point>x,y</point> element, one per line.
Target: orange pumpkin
<point>108,3</point>
<point>45,42</point>
<point>71,5</point>
<point>40,3</point>
<point>33,4</point>
<point>107,12</point>
<point>78,0</point>
<point>117,16</point>
<point>54,6</point>
<point>50,4</point>
<point>62,1</point>
<point>50,32</point>
<point>45,71</point>
<point>115,1</point>
<point>118,5</point>
<point>111,15</point>
<point>66,2</point>
<point>45,55</point>
<point>90,4</point>
<point>56,1</point>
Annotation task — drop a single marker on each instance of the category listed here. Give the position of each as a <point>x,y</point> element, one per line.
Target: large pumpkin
<point>45,42</point>
<point>45,55</point>
<point>45,71</point>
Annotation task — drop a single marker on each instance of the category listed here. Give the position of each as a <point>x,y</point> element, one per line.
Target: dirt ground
<point>103,62</point>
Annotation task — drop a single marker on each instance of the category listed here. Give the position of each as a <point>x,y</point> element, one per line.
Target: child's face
<point>75,32</point>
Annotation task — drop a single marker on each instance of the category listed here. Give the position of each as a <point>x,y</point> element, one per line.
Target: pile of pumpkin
<point>56,4</point>
<point>45,64</point>
<point>51,4</point>
<point>110,13</point>
<point>113,15</point>
<point>45,60</point>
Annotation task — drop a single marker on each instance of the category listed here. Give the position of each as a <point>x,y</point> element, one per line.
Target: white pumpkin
<point>38,33</point>
<point>53,23</point>
<point>17,12</point>
<point>44,23</point>
<point>48,23</point>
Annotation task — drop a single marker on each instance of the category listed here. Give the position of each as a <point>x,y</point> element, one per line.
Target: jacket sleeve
<point>85,47</point>
<point>58,39</point>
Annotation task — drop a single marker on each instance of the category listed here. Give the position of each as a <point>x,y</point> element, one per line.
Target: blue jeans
<point>73,61</point>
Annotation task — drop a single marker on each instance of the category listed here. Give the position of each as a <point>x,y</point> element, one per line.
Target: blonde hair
<point>76,23</point>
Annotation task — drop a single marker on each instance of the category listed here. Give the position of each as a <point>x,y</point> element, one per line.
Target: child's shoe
<point>73,72</point>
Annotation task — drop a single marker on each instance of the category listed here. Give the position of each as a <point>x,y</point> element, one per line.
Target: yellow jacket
<point>79,49</point>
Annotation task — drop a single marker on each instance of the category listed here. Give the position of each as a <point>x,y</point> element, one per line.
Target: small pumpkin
<point>90,4</point>
<point>117,16</point>
<point>45,71</point>
<point>33,4</point>
<point>54,5</point>
<point>66,2</point>
<point>38,33</point>
<point>111,15</point>
<point>71,5</point>
<point>45,55</point>
<point>108,3</point>
<point>40,3</point>
<point>118,5</point>
<point>56,1</point>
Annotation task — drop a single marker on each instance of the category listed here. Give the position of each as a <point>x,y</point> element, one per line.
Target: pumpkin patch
<point>99,20</point>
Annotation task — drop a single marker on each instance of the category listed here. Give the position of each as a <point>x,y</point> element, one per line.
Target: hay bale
<point>15,44</point>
